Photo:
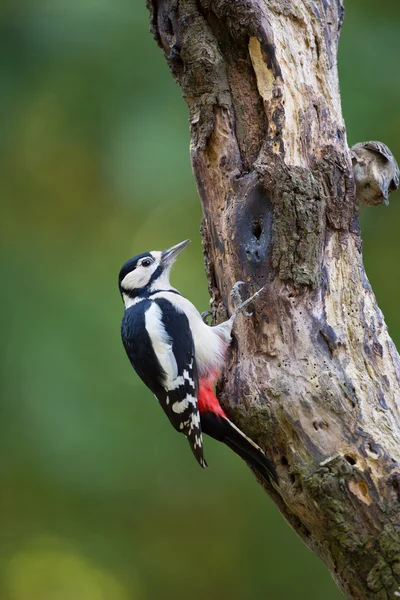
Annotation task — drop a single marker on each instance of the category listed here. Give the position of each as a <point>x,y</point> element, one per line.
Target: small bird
<point>376,172</point>
<point>179,357</point>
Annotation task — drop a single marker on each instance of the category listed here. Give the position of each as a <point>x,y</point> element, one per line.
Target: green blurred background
<point>100,499</point>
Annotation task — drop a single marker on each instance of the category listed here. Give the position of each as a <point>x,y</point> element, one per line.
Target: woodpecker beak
<point>169,256</point>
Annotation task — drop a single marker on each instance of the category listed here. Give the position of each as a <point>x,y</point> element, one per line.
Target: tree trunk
<point>313,376</point>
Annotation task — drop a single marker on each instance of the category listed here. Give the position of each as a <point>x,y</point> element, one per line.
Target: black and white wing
<point>159,344</point>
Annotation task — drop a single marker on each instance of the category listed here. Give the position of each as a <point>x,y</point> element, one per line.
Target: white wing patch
<point>180,381</point>
<point>210,343</point>
<point>182,405</point>
<point>161,343</point>
<point>162,346</point>
<point>186,375</point>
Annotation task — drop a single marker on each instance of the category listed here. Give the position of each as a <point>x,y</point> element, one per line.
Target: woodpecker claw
<point>241,305</point>
<point>205,315</point>
<point>235,294</point>
<point>237,298</point>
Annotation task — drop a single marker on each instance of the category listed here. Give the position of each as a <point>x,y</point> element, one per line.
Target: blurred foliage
<point>100,500</point>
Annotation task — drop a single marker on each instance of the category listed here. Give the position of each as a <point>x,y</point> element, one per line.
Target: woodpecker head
<point>148,272</point>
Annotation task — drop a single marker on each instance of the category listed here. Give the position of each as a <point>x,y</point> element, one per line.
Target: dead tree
<point>313,375</point>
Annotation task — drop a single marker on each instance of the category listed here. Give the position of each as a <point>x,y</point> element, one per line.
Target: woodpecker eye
<point>146,262</point>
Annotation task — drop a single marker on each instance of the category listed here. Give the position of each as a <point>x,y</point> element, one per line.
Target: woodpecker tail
<point>216,424</point>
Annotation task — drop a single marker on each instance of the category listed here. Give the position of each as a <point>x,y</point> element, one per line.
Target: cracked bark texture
<point>313,375</point>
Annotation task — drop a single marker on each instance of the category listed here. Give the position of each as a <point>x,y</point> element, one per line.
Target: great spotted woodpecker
<point>179,357</point>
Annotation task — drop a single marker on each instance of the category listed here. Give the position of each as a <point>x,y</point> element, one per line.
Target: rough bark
<point>313,376</point>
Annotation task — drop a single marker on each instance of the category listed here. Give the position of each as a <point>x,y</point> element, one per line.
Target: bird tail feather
<point>216,424</point>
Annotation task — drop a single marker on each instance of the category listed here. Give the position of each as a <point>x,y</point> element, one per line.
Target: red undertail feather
<point>207,402</point>
<point>216,424</point>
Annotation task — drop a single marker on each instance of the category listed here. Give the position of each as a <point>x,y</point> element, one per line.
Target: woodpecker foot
<point>237,300</point>
<point>240,305</point>
<point>205,315</point>
<point>235,294</point>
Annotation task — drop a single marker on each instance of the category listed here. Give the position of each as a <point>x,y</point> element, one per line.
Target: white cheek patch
<point>136,279</point>
<point>139,277</point>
